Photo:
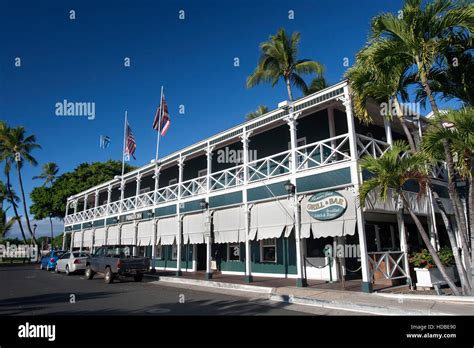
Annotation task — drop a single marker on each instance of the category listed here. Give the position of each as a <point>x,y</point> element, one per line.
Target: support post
<point>356,179</point>
<point>291,121</point>
<point>403,240</point>
<point>245,138</point>
<point>208,217</point>
<point>179,239</point>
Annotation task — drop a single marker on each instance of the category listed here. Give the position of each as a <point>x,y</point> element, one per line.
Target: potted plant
<point>427,274</point>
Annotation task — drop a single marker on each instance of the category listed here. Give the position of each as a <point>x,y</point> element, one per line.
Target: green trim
<point>190,206</point>
<point>248,279</point>
<point>164,211</point>
<point>225,199</point>
<point>366,287</point>
<point>68,228</point>
<point>263,192</point>
<point>77,227</point>
<point>144,215</point>
<point>98,223</point>
<point>110,221</point>
<point>324,180</point>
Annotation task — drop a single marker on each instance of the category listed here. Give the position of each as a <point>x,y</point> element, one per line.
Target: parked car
<point>114,261</point>
<point>71,262</point>
<point>48,261</point>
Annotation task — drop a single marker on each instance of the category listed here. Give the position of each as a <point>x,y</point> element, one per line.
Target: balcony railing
<point>312,156</point>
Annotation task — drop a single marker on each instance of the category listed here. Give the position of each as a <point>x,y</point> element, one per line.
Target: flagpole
<point>124,144</point>
<point>159,126</point>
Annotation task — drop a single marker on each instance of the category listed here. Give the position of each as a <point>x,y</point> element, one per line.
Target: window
<point>66,256</point>
<point>158,251</point>
<point>174,251</point>
<point>268,250</point>
<point>99,252</point>
<point>233,252</point>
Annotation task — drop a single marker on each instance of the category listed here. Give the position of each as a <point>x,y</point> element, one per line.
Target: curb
<point>345,306</point>
<point>451,299</point>
<point>220,285</point>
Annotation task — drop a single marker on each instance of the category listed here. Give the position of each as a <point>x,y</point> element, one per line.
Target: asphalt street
<point>26,290</point>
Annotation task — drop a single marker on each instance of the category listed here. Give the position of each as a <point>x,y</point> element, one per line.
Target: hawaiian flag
<point>162,122</point>
<point>130,144</point>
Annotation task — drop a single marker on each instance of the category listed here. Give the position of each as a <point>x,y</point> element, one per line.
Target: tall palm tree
<point>49,175</point>
<point>458,129</point>
<point>279,60</point>
<point>261,110</point>
<point>16,148</point>
<point>12,198</point>
<point>421,35</point>
<point>381,81</point>
<point>391,171</point>
<point>5,226</point>
<point>317,84</point>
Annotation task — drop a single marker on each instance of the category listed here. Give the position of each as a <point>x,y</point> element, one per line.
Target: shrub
<point>423,258</point>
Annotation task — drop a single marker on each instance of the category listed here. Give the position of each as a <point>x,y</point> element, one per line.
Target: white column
<point>332,126</point>
<point>245,138</point>
<point>96,198</point>
<point>75,206</point>
<point>122,194</point>
<point>208,237</point>
<point>109,198</point>
<point>72,241</point>
<point>392,237</point>
<point>179,239</point>
<point>155,225</point>
<point>291,121</point>
<point>194,257</point>
<point>137,191</point>
<point>388,130</point>
<point>356,179</point>
<point>403,240</point>
<point>64,240</point>
<point>85,202</point>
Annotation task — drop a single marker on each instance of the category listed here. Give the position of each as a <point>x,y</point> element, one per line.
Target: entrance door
<point>201,257</point>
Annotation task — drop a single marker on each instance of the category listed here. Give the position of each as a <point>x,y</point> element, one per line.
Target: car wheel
<point>138,277</point>
<point>67,270</point>
<point>56,269</point>
<point>89,272</point>
<point>109,276</point>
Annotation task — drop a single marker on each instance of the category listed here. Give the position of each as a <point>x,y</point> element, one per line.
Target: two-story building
<point>270,197</point>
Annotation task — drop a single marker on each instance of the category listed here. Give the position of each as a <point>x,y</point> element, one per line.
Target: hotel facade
<point>275,196</point>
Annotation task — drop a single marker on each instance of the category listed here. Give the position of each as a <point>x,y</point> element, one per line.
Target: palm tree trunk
<point>471,219</point>
<point>401,118</point>
<point>15,210</point>
<point>466,289</point>
<point>52,234</point>
<point>288,88</point>
<point>453,194</point>
<point>24,204</point>
<point>430,247</point>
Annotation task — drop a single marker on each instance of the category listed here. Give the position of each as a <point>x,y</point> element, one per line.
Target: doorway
<point>201,257</point>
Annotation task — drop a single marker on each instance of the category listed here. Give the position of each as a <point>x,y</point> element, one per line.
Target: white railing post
<point>122,195</point>
<point>356,179</point>
<point>291,121</point>
<point>137,191</point>
<point>179,239</point>
<point>245,138</point>
<point>208,238</point>
<point>109,199</point>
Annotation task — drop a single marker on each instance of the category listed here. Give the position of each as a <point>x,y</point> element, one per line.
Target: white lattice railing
<point>144,200</point>
<point>370,146</point>
<point>227,178</point>
<point>390,264</point>
<point>324,152</point>
<point>269,167</point>
<point>440,171</point>
<point>193,187</point>
<point>166,194</point>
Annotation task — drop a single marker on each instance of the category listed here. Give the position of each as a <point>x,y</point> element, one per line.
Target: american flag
<point>130,144</point>
<point>162,126</point>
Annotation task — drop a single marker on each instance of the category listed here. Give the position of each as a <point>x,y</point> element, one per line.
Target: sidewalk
<point>357,302</point>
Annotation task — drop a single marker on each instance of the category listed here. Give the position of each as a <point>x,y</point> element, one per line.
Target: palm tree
<point>5,226</point>
<point>49,175</point>
<point>278,60</point>
<point>261,110</point>
<point>391,171</point>
<point>379,81</point>
<point>12,198</point>
<point>17,147</point>
<point>458,130</point>
<point>317,84</point>
<point>422,35</point>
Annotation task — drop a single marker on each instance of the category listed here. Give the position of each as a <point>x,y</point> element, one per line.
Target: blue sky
<point>82,60</point>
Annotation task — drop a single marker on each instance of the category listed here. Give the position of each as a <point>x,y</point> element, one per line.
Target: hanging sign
<point>328,205</point>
